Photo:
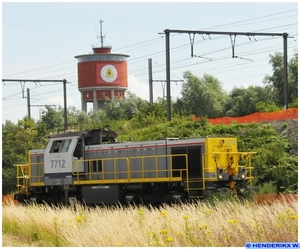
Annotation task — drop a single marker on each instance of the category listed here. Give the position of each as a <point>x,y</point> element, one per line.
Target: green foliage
<point>149,114</point>
<point>294,103</point>
<point>201,96</point>
<point>126,108</point>
<point>8,180</point>
<point>293,78</point>
<point>97,119</point>
<point>265,107</point>
<point>275,81</point>
<point>82,119</point>
<point>17,139</point>
<point>267,188</point>
<point>51,118</point>
<point>274,164</point>
<point>244,101</point>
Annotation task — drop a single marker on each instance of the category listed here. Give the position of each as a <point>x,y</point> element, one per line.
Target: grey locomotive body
<point>93,168</point>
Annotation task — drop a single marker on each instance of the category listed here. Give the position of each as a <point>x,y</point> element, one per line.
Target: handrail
<point>168,176</point>
<point>22,178</point>
<point>214,169</point>
<point>77,173</point>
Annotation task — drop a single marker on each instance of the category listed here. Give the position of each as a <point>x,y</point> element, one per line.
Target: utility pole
<point>64,81</point>
<point>231,34</point>
<point>285,73</point>
<point>168,75</point>
<point>41,106</point>
<point>150,81</point>
<point>28,102</point>
<point>65,105</point>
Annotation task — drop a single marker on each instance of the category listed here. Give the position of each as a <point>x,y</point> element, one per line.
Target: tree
<point>9,157</point>
<point>273,164</point>
<point>8,180</point>
<point>72,116</point>
<point>118,109</point>
<point>276,81</point>
<point>149,114</point>
<point>17,139</point>
<point>201,96</point>
<point>293,78</point>
<point>132,104</point>
<point>82,120</point>
<point>97,120</point>
<point>52,119</point>
<point>216,97</point>
<point>243,101</point>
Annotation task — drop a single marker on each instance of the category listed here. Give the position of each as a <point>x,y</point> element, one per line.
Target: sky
<point>40,41</point>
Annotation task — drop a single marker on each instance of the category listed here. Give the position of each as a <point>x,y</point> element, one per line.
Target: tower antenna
<point>101,34</point>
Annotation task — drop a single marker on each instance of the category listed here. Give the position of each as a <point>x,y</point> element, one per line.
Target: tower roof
<point>102,50</point>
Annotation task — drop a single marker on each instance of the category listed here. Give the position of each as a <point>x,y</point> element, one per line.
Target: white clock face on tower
<point>109,73</point>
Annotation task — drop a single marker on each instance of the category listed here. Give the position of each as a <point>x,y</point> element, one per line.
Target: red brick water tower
<point>101,75</point>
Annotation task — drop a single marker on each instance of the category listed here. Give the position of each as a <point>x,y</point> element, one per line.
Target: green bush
<point>267,188</point>
<point>266,107</point>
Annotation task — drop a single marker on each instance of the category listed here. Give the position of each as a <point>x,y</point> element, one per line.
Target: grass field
<point>226,223</point>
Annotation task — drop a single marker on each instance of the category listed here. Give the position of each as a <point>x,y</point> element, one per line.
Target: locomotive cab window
<point>60,146</point>
<point>56,146</point>
<point>78,149</point>
<point>65,145</point>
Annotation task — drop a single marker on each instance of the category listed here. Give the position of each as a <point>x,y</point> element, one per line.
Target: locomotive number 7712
<point>58,164</point>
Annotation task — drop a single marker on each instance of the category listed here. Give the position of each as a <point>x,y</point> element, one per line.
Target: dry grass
<point>225,224</point>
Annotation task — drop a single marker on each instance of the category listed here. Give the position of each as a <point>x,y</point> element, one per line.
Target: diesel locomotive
<point>93,168</point>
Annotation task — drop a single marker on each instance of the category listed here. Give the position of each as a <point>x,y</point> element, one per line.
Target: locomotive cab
<point>64,157</point>
<point>49,175</point>
<point>59,155</point>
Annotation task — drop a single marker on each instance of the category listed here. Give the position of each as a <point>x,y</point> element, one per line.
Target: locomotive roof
<point>149,143</point>
<point>105,133</point>
<point>68,134</point>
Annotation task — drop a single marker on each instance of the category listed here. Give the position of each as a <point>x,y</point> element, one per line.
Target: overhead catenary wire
<point>135,64</point>
<point>129,60</point>
<point>75,76</point>
<point>168,69</point>
<point>218,26</point>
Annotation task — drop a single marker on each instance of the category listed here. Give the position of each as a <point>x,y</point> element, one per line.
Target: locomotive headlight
<point>243,173</point>
<point>220,171</point>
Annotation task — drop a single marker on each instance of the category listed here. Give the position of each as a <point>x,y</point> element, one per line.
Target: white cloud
<point>141,89</point>
<point>59,100</point>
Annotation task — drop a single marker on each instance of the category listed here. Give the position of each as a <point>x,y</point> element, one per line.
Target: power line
<point>231,34</point>
<point>64,81</point>
<point>251,19</point>
<point>136,61</point>
<point>39,68</point>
